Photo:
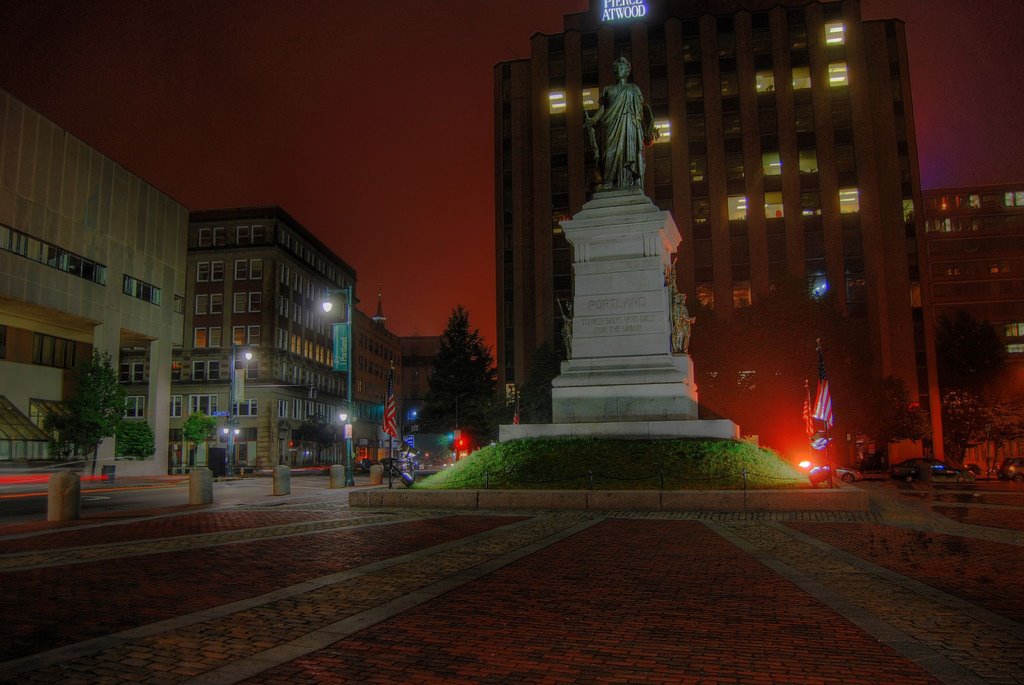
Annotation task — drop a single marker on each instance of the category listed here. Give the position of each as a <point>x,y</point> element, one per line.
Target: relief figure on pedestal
<point>625,126</point>
<point>566,308</point>
<point>681,322</point>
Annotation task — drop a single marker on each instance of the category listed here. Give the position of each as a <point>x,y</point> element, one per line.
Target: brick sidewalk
<point>315,592</point>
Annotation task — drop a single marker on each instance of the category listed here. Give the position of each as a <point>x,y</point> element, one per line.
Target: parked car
<point>819,474</point>
<point>1012,469</point>
<point>940,472</point>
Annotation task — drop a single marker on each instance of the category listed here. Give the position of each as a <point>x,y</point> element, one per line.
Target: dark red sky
<point>371,122</point>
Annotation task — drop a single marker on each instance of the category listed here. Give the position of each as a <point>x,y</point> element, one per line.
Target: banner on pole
<point>341,350</point>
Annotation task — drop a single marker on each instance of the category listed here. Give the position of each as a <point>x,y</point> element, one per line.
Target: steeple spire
<point>379,316</point>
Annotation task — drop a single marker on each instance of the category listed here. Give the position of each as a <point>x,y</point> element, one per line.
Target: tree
<point>460,390</point>
<point>535,395</point>
<point>964,420</point>
<point>135,440</point>
<point>895,416</point>
<point>969,354</point>
<point>319,432</point>
<point>95,409</point>
<point>1005,424</point>
<point>198,427</point>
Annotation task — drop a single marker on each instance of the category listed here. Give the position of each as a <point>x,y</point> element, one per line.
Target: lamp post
<point>346,427</point>
<point>343,362</point>
<point>231,430</point>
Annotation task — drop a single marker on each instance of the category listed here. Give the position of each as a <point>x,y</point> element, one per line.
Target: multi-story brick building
<point>787,146</point>
<point>377,351</point>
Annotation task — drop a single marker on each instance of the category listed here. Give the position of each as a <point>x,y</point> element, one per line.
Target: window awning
<point>16,426</point>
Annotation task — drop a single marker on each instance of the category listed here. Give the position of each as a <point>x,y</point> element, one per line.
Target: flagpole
<point>828,438</point>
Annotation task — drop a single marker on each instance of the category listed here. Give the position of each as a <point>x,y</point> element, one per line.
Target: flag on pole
<point>390,413</point>
<point>823,400</point>
<point>515,417</point>
<point>808,423</point>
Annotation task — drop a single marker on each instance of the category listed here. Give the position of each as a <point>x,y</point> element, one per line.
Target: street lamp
<point>232,399</point>
<point>342,334</point>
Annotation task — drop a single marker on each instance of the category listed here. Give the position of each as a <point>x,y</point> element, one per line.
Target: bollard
<point>200,486</point>
<point>377,474</point>
<point>282,480</point>
<point>64,497</point>
<point>337,476</point>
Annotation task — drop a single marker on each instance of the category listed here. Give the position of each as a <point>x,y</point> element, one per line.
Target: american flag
<point>823,400</point>
<point>515,417</point>
<point>808,423</point>
<point>390,413</point>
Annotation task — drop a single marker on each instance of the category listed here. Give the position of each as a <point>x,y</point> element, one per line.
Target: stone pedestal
<point>621,367</point>
<point>64,497</point>
<point>282,480</point>
<point>337,472</point>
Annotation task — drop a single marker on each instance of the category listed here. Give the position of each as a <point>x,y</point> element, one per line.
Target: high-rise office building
<point>786,146</point>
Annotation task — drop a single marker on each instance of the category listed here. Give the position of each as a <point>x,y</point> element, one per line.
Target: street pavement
<point>924,588</point>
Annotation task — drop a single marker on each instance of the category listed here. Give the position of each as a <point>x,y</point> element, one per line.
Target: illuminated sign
<point>613,10</point>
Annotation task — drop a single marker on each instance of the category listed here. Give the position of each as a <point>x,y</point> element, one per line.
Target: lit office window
<point>764,81</point>
<point>837,75</point>
<point>773,205</point>
<point>706,295</point>
<point>698,167</point>
<point>801,78</point>
<point>808,161</point>
<point>835,33</point>
<point>556,102</point>
<point>741,294</point>
<point>737,208</point>
<point>591,98</point>
<point>849,200</point>
<point>771,163</point>
<point>664,129</point>
<point>1014,330</point>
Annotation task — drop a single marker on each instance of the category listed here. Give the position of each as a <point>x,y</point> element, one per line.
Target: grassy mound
<point>605,464</point>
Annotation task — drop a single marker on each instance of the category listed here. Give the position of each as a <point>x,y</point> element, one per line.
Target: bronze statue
<point>566,309</point>
<point>626,127</point>
<point>681,322</point>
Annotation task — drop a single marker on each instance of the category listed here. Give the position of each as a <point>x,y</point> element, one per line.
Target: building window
<point>801,78</point>
<point>219,234</point>
<point>1015,348</point>
<point>849,200</point>
<point>216,271</point>
<point>207,370</point>
<point>135,406</point>
<point>773,205</point>
<point>257,234</point>
<point>737,208</point>
<point>140,290</point>
<point>808,161</point>
<point>202,304</point>
<point>202,272</point>
<point>810,203</point>
<point>216,303</point>
<point>242,235</point>
<point>771,163</point>
<point>175,371</point>
<point>179,304</point>
<point>200,338</point>
<point>254,335</point>
<point>255,301</point>
<point>252,369</point>
<point>282,409</point>
<point>241,269</point>
<point>247,408</point>
<point>694,87</point>
<point>664,129</point>
<point>835,33</point>
<point>255,269</point>
<point>698,168</point>
<point>48,350</point>
<point>764,81</point>
<point>556,102</point>
<point>205,237</point>
<point>238,335</point>
<point>1014,330</point>
<point>175,406</point>
<point>58,258</point>
<point>591,98</point>
<point>202,403</point>
<point>837,75</point>
<point>132,372</point>
<point>239,303</point>
<point>741,294</point>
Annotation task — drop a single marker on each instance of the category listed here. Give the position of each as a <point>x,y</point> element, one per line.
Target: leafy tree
<point>95,409</point>
<point>319,432</point>
<point>535,396</point>
<point>894,414</point>
<point>969,354</point>
<point>198,427</point>
<point>964,420</point>
<point>1006,424</point>
<point>135,440</point>
<point>460,390</point>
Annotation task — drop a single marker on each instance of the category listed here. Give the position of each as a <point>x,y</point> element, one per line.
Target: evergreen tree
<point>95,409</point>
<point>461,387</point>
<point>135,440</point>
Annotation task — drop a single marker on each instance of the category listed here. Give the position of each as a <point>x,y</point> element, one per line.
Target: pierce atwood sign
<point>614,10</point>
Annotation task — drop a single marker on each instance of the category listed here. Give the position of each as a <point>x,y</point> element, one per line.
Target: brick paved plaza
<point>925,588</point>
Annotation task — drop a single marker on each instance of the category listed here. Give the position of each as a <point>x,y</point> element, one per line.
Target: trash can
<point>107,472</point>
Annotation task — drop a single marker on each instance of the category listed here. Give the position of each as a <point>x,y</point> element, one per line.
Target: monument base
<point>634,388</point>
<point>717,429</point>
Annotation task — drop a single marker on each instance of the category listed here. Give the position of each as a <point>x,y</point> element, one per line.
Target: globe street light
<point>342,334</point>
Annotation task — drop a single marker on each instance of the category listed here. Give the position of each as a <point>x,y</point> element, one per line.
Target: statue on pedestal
<point>566,309</point>
<point>626,127</point>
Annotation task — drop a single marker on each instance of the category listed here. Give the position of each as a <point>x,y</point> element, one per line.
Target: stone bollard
<point>337,476</point>
<point>64,497</point>
<point>377,474</point>
<point>200,486</point>
<point>282,480</point>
